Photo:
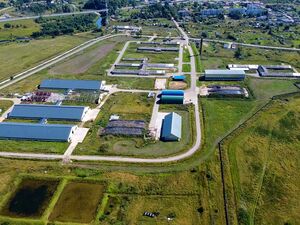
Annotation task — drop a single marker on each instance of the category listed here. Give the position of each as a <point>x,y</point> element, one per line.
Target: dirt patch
<point>160,84</point>
<point>81,63</point>
<point>177,85</point>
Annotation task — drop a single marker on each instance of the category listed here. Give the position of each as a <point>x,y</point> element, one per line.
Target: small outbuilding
<point>171,127</point>
<point>224,75</point>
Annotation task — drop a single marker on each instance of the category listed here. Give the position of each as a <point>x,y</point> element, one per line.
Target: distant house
<point>171,127</point>
<point>183,13</point>
<point>211,12</point>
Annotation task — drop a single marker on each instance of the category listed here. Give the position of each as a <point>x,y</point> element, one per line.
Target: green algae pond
<point>30,199</point>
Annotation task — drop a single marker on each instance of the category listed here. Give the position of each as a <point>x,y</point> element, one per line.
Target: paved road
<point>54,60</point>
<point>50,15</point>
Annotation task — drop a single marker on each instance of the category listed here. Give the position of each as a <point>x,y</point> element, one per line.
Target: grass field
<point>5,105</point>
<point>186,68</point>
<point>18,57</point>
<point>183,209</point>
<point>199,66</point>
<point>33,146</point>
<point>22,28</point>
<point>186,55</point>
<point>261,155</point>
<point>78,203</point>
<point>215,56</point>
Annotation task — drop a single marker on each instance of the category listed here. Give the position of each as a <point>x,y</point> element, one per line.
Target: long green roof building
<point>225,75</point>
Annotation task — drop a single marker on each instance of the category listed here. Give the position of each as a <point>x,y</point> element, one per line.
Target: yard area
<point>141,109</point>
<point>261,154</point>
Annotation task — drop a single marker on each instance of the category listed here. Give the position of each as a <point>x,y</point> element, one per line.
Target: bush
<point>103,148</point>
<point>243,217</point>
<point>7,25</point>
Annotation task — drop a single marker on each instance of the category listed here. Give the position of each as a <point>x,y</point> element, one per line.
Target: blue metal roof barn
<point>56,112</point>
<point>36,132</point>
<point>88,85</point>
<point>171,128</point>
<point>172,92</point>
<point>178,78</point>
<point>225,75</point>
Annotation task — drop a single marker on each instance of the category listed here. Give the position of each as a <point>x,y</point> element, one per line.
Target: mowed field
<point>264,164</point>
<point>21,28</point>
<point>78,203</point>
<point>17,57</point>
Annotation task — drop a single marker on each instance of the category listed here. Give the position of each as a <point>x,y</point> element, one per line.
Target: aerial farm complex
<point>145,113</point>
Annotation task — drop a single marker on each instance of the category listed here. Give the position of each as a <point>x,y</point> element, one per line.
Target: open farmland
<point>18,57</point>
<point>18,29</point>
<point>261,154</point>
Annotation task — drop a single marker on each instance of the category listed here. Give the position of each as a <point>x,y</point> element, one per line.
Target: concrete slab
<point>160,84</point>
<point>91,115</point>
<point>79,135</point>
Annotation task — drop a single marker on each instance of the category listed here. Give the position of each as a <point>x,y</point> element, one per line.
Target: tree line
<point>65,25</point>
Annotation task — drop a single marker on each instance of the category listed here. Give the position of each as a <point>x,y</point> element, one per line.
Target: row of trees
<point>112,5</point>
<point>157,11</point>
<point>65,25</point>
